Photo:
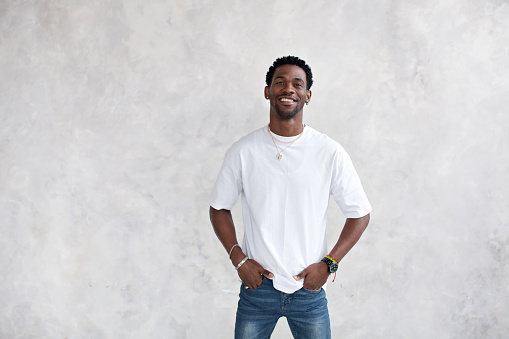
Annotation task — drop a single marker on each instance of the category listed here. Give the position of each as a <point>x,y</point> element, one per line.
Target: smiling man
<point>285,173</point>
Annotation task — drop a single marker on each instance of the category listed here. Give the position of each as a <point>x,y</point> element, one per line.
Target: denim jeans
<point>259,310</point>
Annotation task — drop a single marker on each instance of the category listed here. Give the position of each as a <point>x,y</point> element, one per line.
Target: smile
<point>286,100</point>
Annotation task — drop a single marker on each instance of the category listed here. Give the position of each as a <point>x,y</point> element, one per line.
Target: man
<point>285,173</point>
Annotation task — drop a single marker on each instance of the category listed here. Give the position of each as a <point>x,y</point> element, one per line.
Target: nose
<point>288,88</point>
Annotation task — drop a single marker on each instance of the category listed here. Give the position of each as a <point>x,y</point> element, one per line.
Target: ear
<point>266,92</point>
<point>308,96</point>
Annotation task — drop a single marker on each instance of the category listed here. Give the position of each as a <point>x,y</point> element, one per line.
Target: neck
<point>286,128</point>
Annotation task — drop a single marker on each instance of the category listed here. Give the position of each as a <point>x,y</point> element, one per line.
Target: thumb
<point>300,276</point>
<point>267,274</point>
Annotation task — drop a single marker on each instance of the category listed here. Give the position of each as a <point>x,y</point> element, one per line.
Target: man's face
<point>287,92</point>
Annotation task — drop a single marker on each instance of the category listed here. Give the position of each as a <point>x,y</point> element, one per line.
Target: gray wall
<point>115,116</point>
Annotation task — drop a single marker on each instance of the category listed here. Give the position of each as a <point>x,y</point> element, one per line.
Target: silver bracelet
<point>231,250</point>
<point>241,263</point>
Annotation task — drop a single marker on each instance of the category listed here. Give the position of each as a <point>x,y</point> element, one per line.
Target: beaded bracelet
<point>332,258</point>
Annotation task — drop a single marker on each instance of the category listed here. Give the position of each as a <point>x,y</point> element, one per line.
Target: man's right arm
<point>250,272</point>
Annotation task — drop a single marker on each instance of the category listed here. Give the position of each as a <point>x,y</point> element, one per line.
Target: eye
<point>298,85</point>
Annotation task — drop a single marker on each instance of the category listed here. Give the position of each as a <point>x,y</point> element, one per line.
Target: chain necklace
<point>279,154</point>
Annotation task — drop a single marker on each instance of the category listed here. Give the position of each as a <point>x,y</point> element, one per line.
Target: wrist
<point>241,263</point>
<point>331,263</point>
<point>237,256</point>
<point>231,250</point>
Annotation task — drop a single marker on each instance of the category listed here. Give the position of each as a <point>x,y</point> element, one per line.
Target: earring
<point>307,102</point>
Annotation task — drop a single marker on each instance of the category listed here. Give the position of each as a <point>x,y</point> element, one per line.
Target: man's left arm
<point>316,275</point>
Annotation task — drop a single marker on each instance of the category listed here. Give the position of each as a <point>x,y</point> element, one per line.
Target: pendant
<point>278,156</point>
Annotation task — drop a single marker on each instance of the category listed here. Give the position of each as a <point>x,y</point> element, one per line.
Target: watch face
<point>333,267</point>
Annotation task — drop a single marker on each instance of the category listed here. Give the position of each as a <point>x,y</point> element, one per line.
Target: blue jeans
<point>259,310</point>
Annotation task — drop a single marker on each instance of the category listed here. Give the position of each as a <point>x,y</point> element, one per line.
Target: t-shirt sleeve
<point>346,187</point>
<point>228,185</point>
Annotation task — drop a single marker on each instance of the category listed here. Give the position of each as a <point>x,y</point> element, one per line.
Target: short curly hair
<point>290,60</point>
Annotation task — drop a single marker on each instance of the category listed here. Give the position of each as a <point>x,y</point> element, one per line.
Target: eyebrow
<point>282,77</point>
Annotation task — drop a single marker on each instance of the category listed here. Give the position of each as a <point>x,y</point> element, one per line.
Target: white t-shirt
<point>284,202</point>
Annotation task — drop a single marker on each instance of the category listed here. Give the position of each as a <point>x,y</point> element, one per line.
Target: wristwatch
<point>331,264</point>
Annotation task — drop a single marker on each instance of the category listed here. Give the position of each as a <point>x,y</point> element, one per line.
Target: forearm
<point>316,274</point>
<point>351,233</point>
<point>223,225</point>
<point>250,272</point>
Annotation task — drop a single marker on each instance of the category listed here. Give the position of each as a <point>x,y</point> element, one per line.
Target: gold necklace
<point>279,154</point>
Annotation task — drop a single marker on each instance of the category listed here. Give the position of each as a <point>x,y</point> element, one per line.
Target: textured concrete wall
<point>115,116</point>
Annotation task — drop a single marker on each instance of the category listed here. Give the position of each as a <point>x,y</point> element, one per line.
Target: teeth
<point>287,100</point>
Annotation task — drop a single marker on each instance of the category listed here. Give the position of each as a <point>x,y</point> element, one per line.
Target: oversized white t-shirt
<point>284,202</point>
